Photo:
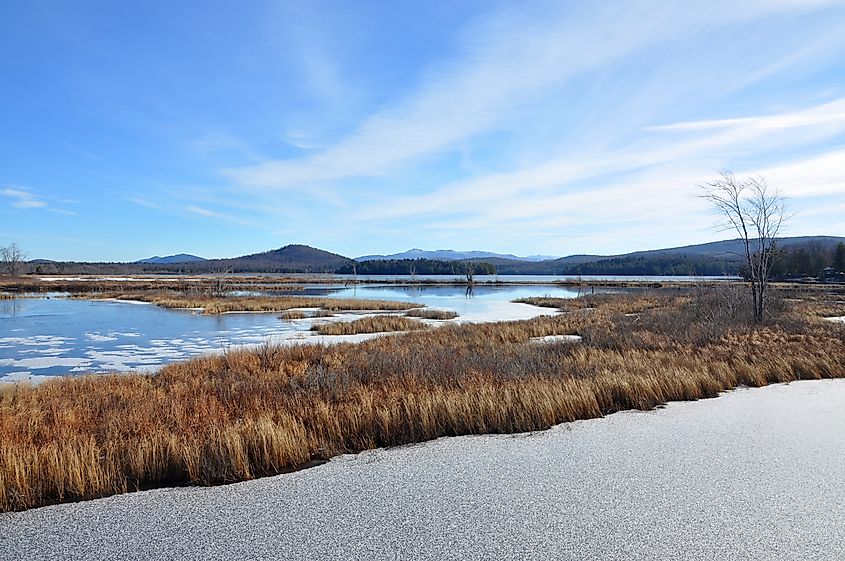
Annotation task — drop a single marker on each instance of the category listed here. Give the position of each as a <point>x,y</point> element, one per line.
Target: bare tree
<point>12,257</point>
<point>756,212</point>
<point>218,275</point>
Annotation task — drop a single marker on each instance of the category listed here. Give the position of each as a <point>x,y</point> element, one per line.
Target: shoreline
<point>641,475</point>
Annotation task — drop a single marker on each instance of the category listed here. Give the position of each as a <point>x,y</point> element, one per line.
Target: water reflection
<point>67,336</point>
<point>10,307</point>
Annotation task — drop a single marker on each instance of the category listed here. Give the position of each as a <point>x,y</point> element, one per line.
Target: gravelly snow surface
<point>755,474</point>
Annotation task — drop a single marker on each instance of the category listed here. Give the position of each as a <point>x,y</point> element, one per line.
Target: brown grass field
<point>250,413</point>
<point>372,324</point>
<point>223,304</point>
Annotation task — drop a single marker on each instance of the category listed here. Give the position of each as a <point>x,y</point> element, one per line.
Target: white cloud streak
<point>216,215</point>
<point>530,192</point>
<point>25,198</point>
<point>507,63</point>
<point>22,198</point>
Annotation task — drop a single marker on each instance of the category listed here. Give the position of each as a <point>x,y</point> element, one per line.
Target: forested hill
<point>797,257</point>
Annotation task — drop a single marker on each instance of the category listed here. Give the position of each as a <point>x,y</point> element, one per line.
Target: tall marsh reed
<point>371,324</point>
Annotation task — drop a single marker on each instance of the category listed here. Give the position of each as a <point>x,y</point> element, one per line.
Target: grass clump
<point>372,324</point>
<point>621,303</point>
<point>428,313</point>
<point>293,314</point>
<point>321,314</point>
<point>543,301</point>
<point>224,304</point>
<point>249,413</point>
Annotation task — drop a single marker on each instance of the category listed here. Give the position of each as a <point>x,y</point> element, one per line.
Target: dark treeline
<point>810,260</point>
<point>417,267</point>
<point>658,265</point>
<point>661,266</point>
<point>807,260</point>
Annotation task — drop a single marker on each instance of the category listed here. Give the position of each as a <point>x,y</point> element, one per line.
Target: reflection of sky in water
<point>60,336</point>
<point>537,279</point>
<point>485,303</point>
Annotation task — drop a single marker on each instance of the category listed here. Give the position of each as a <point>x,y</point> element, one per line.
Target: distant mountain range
<point>714,258</point>
<point>708,259</point>
<point>170,259</point>
<point>289,259</point>
<point>452,255</point>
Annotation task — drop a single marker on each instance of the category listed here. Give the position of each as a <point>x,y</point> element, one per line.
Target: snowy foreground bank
<point>754,474</point>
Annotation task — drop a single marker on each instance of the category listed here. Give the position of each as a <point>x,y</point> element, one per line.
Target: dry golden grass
<point>249,413</point>
<point>293,314</point>
<point>543,301</point>
<point>220,305</point>
<point>372,324</point>
<point>621,303</point>
<point>321,314</point>
<point>428,313</point>
<point>188,284</point>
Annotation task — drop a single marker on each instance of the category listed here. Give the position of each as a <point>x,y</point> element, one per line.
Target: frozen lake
<point>756,474</point>
<point>57,336</point>
<point>61,336</point>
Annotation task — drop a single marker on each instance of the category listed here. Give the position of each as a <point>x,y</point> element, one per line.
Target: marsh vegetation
<point>428,313</point>
<point>222,304</point>
<point>248,413</point>
<point>370,324</point>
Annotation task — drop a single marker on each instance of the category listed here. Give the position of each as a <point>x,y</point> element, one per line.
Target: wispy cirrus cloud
<point>830,114</point>
<point>217,215</point>
<point>507,63</point>
<point>567,184</point>
<point>25,198</point>
<point>22,198</point>
<point>816,176</point>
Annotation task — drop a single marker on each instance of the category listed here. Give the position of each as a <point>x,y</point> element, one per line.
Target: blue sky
<point>225,128</point>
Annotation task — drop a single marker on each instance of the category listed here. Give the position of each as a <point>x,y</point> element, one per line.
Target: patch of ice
<point>25,377</point>
<point>130,360</point>
<point>96,337</point>
<point>330,339</point>
<point>837,319</point>
<point>44,362</point>
<point>36,340</point>
<point>51,351</point>
<point>550,339</point>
